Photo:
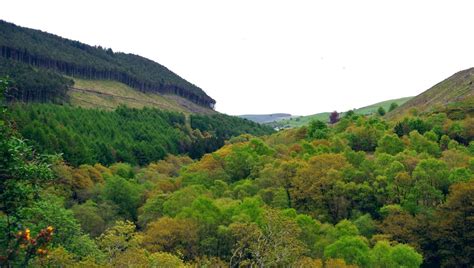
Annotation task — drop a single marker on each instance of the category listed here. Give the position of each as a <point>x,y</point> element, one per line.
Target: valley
<point>110,159</point>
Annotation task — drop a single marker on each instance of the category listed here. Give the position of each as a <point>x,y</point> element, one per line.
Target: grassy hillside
<point>110,94</point>
<point>299,121</point>
<point>459,88</point>
<point>385,104</point>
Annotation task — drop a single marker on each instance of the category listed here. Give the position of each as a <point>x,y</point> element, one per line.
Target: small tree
<point>393,106</point>
<point>318,130</point>
<point>349,114</point>
<point>334,117</point>
<point>381,111</point>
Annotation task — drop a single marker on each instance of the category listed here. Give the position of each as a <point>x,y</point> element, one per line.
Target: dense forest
<point>75,59</point>
<point>29,84</point>
<point>135,136</point>
<point>362,192</point>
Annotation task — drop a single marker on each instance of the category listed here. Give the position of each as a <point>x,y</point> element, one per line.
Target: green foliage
<point>381,111</point>
<point>271,243</point>
<point>239,164</point>
<point>152,209</point>
<point>353,249</point>
<point>165,260</point>
<point>345,228</point>
<point>390,144</point>
<point>23,174</point>
<point>380,255</point>
<point>181,199</point>
<point>317,130</point>
<point>363,138</point>
<point>454,226</point>
<point>120,237</point>
<point>366,225</point>
<point>123,170</point>
<point>126,194</point>
<point>68,233</point>
<point>353,193</point>
<point>91,217</point>
<point>222,127</point>
<point>33,85</point>
<point>178,236</point>
<point>422,144</point>
<point>411,124</point>
<point>384,255</point>
<point>405,256</point>
<point>124,135</point>
<point>393,106</point>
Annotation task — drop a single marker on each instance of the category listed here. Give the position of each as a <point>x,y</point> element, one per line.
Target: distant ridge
<point>75,59</point>
<point>265,118</point>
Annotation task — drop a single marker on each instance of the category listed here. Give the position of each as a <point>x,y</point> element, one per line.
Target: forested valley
<point>147,188</point>
<point>86,180</point>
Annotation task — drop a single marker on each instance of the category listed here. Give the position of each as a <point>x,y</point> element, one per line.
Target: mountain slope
<point>458,88</point>
<point>75,59</point>
<point>106,94</point>
<point>298,121</point>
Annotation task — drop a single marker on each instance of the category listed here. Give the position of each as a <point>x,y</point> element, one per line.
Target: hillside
<point>137,136</point>
<point>265,118</point>
<point>453,91</point>
<point>109,94</point>
<point>75,59</point>
<point>298,121</point>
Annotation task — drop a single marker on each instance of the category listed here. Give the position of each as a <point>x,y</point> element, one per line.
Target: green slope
<point>299,121</point>
<point>457,90</point>
<point>385,104</point>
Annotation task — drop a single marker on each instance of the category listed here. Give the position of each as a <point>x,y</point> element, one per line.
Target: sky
<point>259,57</point>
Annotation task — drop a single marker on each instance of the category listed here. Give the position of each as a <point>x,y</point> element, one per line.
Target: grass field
<point>299,121</point>
<point>108,94</point>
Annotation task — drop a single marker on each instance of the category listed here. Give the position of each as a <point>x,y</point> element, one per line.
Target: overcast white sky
<point>299,57</point>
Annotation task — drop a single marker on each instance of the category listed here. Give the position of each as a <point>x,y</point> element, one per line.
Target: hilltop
<point>27,53</point>
<point>298,121</point>
<point>455,92</point>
